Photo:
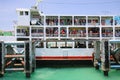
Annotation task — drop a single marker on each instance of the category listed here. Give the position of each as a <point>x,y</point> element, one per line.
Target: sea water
<point>64,73</point>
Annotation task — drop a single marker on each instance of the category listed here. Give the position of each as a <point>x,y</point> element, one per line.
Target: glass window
<point>93,20</point>
<point>24,31</point>
<point>37,32</point>
<point>90,44</point>
<point>18,30</point>
<point>36,19</point>
<point>107,32</point>
<point>106,20</point>
<point>79,20</point>
<point>77,32</point>
<point>117,32</point>
<point>117,20</point>
<point>21,13</point>
<point>93,32</point>
<point>52,43</point>
<point>51,20</point>
<point>65,20</point>
<point>26,12</point>
<point>66,43</point>
<point>38,43</point>
<point>63,32</point>
<point>80,44</point>
<point>52,32</point>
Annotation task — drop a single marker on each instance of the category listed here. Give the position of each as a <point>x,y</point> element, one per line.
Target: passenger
<point>80,22</point>
<point>69,22</point>
<point>62,22</point>
<point>51,22</point>
<point>111,21</point>
<point>115,22</point>
<point>74,32</point>
<point>83,22</point>
<point>76,22</point>
<point>103,22</point>
<point>91,33</point>
<point>47,21</point>
<point>56,21</point>
<point>93,22</point>
<point>63,31</point>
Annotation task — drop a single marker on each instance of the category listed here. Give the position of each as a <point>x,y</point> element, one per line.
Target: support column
<point>1,60</point>
<point>27,59</point>
<point>97,54</point>
<point>33,57</point>
<point>105,58</point>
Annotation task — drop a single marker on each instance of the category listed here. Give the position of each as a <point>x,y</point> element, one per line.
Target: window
<point>117,20</point>
<point>37,32</point>
<point>79,20</point>
<point>107,32</point>
<point>93,32</point>
<point>77,32</point>
<point>65,20</point>
<point>93,20</point>
<point>52,32</point>
<point>51,20</point>
<point>39,43</point>
<point>21,13</point>
<point>106,20</point>
<point>80,44</point>
<point>18,30</point>
<point>26,12</point>
<point>66,43</point>
<point>90,44</point>
<point>117,32</point>
<point>52,43</point>
<point>36,19</point>
<point>63,32</point>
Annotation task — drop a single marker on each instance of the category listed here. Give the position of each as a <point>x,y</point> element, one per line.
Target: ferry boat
<point>64,37</point>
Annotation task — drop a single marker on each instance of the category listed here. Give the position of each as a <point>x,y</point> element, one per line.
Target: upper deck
<point>34,24</point>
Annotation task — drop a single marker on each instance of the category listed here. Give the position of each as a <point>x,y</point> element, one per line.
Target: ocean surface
<point>64,73</point>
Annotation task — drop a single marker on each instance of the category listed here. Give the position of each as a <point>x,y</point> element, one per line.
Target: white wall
<point>23,19</point>
<point>7,38</point>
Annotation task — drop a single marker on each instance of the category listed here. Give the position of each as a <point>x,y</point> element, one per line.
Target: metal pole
<point>1,60</point>
<point>33,57</point>
<point>97,54</point>
<point>27,59</point>
<point>105,58</point>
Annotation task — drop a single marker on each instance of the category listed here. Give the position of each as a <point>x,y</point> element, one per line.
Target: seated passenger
<point>74,31</point>
<point>62,22</point>
<point>62,31</point>
<point>76,22</point>
<point>83,22</point>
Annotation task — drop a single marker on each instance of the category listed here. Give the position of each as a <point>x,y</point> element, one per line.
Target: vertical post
<point>97,54</point>
<point>106,54</point>
<point>105,58</point>
<point>33,57</point>
<point>1,60</point>
<point>27,59</point>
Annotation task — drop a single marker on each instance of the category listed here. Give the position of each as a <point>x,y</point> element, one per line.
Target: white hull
<point>63,52</point>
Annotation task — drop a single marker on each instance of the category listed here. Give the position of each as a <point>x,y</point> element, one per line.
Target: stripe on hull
<point>64,58</point>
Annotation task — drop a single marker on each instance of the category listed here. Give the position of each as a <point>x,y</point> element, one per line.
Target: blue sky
<point>74,7</point>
